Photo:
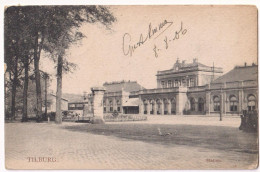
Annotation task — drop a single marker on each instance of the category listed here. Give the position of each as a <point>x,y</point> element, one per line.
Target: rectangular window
<point>162,83</point>
<point>169,83</point>
<point>118,109</point>
<point>111,109</point>
<point>192,82</point>
<point>188,82</point>
<point>183,81</point>
<point>105,109</point>
<point>176,83</point>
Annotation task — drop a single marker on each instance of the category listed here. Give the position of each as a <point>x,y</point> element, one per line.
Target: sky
<point>223,35</point>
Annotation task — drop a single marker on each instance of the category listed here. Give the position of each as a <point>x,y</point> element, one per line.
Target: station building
<point>187,88</point>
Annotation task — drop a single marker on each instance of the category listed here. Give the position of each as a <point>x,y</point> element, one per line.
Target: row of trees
<point>33,30</point>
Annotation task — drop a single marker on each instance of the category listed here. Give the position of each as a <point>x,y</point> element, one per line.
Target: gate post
<point>98,93</point>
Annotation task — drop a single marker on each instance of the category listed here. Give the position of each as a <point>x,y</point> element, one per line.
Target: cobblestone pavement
<point>78,150</point>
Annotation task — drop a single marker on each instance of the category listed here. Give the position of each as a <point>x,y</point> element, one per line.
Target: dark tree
<point>31,29</point>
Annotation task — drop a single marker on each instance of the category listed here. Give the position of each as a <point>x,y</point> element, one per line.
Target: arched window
<point>233,103</point>
<point>192,104</point>
<point>173,106</point>
<point>158,103</point>
<point>145,106</point>
<point>152,107</point>
<point>216,103</point>
<point>165,106</point>
<point>201,105</point>
<point>251,102</point>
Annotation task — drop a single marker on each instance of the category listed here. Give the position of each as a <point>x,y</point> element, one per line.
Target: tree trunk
<point>25,88</point>
<point>37,79</point>
<point>58,117</point>
<point>14,85</point>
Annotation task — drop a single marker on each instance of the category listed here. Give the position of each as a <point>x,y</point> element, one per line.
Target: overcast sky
<point>225,35</point>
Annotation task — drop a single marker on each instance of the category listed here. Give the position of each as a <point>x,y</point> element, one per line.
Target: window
<point>173,106</point>
<point>251,103</point>
<point>151,107</point>
<point>105,109</point>
<point>162,83</point>
<point>111,106</point>
<point>188,82</point>
<point>216,103</point>
<point>201,105</point>
<point>233,103</point>
<point>165,106</point>
<point>145,107</point>
<point>118,109</point>
<point>169,83</point>
<point>192,104</point>
<point>192,82</point>
<point>176,83</point>
<point>183,82</point>
<point>158,103</point>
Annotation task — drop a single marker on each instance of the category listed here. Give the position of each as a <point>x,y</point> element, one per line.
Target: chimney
<point>195,60</point>
<point>245,64</point>
<point>183,61</point>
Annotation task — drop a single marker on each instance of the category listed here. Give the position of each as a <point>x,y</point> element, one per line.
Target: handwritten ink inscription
<point>153,32</point>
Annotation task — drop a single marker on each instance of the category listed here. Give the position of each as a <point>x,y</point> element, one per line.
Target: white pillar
<point>98,93</point>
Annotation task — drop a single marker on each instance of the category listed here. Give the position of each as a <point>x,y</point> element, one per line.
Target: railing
<point>204,68</point>
<point>197,88</point>
<point>159,90</point>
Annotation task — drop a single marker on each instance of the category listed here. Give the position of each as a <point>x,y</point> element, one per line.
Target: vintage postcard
<point>131,87</point>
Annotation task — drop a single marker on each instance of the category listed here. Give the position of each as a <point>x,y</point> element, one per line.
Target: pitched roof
<point>239,74</point>
<point>56,96</point>
<point>128,86</point>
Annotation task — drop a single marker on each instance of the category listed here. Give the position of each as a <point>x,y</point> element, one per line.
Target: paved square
<point>86,146</point>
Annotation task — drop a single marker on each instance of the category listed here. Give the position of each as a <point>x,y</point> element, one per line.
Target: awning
<point>132,102</point>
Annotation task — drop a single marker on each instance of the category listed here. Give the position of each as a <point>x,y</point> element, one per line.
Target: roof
<point>127,86</point>
<point>73,97</point>
<point>131,102</point>
<point>239,74</point>
<point>61,98</point>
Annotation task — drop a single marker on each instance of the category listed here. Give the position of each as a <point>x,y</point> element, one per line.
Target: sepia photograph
<point>131,87</point>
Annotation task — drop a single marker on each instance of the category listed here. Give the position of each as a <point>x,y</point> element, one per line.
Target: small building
<point>116,95</point>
